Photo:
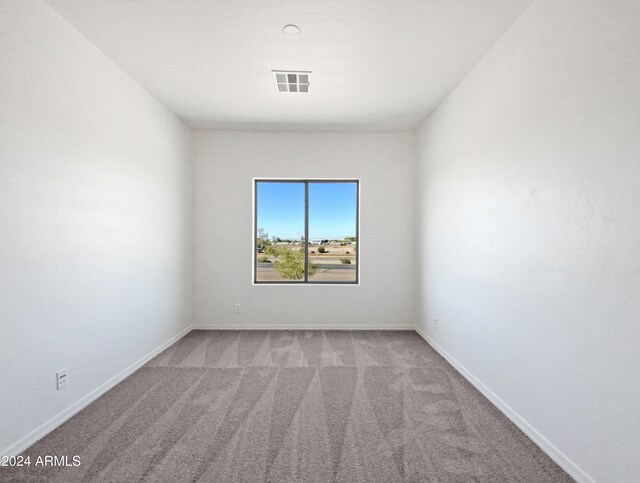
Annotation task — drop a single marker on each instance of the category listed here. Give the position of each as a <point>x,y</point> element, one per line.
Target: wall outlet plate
<point>61,379</point>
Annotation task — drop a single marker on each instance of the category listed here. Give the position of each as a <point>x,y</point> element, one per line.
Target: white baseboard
<point>543,443</point>
<point>297,327</point>
<point>44,429</point>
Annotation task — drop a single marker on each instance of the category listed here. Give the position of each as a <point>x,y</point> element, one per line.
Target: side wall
<point>225,164</point>
<point>94,221</point>
<point>529,211</point>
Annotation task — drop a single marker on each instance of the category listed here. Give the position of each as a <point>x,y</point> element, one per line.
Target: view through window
<point>306,231</point>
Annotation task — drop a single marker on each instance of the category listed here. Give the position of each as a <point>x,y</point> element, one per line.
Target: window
<point>306,231</point>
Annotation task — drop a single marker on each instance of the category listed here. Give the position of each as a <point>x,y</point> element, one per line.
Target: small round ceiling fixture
<point>291,30</point>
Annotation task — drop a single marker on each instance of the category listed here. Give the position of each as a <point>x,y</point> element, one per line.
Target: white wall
<point>225,164</point>
<point>94,244</point>
<point>530,228</point>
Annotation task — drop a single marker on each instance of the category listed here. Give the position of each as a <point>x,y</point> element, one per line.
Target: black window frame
<point>306,182</point>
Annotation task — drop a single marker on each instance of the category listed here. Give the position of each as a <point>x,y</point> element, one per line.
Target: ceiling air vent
<point>291,81</point>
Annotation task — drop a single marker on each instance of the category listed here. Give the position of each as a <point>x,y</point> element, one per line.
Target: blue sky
<point>332,209</point>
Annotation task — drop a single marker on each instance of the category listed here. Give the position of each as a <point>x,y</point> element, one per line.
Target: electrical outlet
<point>61,379</point>
<point>435,322</point>
<point>238,309</point>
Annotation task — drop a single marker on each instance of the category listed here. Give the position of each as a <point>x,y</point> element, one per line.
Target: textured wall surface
<point>530,228</point>
<point>225,164</point>
<point>94,218</point>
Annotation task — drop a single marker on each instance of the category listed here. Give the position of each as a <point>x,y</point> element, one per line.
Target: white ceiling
<point>377,64</point>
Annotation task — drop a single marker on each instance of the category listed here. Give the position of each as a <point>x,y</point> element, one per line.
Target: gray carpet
<point>284,406</point>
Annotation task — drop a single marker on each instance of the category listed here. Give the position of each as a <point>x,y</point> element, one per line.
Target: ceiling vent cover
<point>291,81</point>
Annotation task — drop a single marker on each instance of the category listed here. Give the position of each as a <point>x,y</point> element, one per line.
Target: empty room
<point>320,241</point>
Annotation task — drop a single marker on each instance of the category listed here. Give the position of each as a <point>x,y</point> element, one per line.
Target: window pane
<point>332,231</point>
<point>280,231</point>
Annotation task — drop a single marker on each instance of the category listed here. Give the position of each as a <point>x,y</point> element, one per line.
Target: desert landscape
<point>331,261</point>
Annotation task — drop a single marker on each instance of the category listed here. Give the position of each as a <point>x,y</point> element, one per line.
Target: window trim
<point>306,182</point>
